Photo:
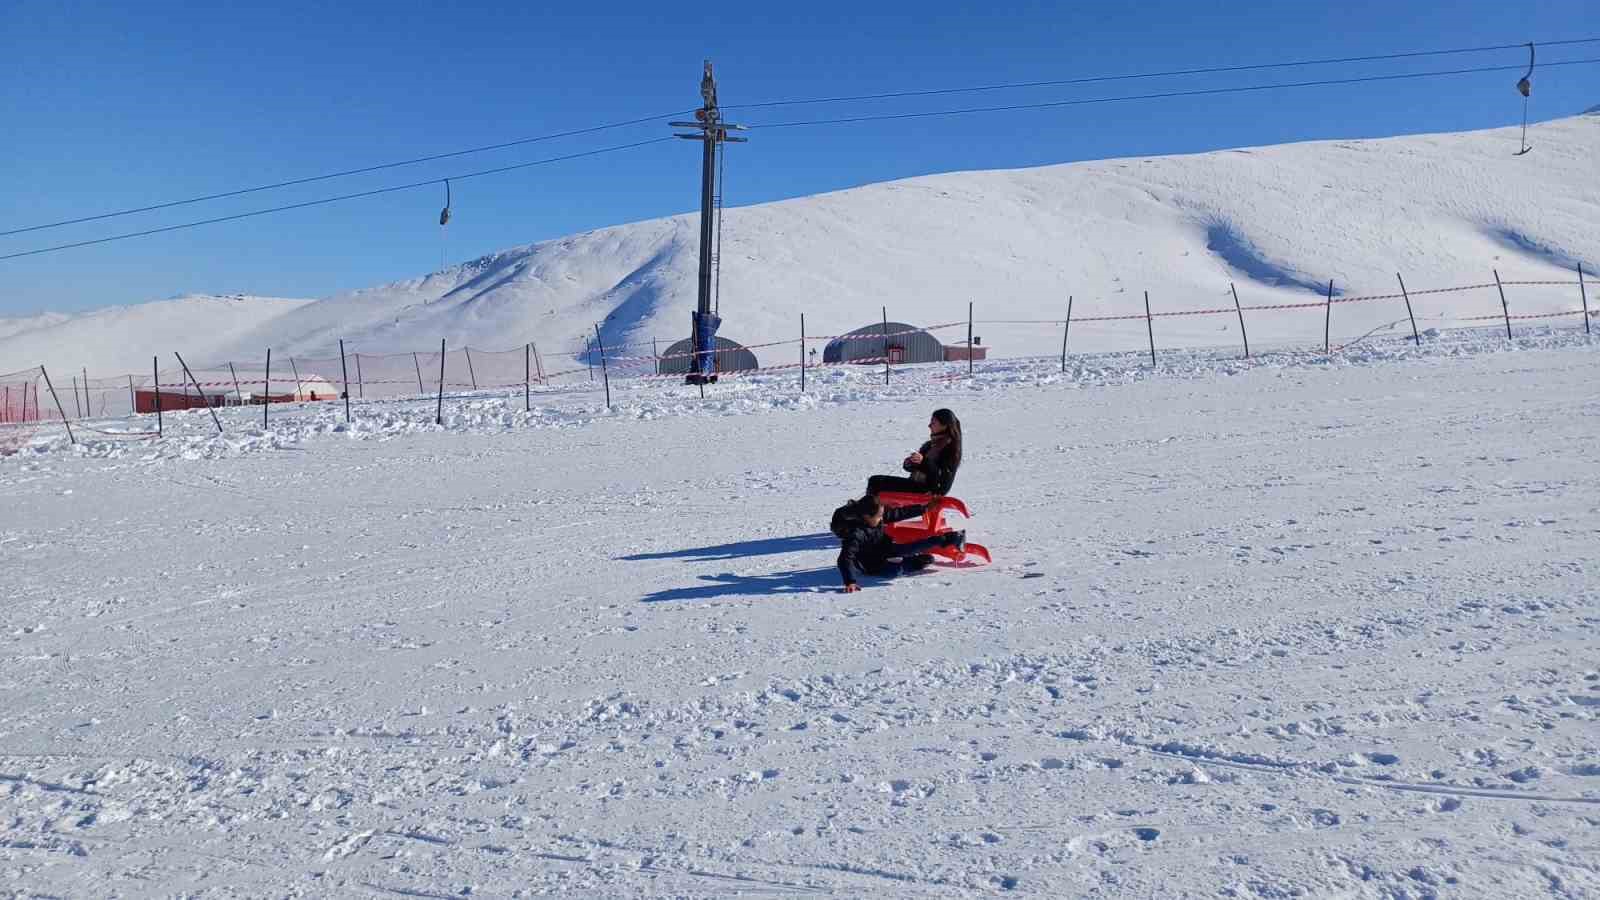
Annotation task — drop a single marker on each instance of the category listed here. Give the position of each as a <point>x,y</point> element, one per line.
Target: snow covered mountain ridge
<point>1279,221</point>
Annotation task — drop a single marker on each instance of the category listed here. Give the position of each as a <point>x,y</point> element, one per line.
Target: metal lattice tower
<point>712,132</point>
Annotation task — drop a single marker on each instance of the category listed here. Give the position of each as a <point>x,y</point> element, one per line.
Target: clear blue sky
<point>108,106</point>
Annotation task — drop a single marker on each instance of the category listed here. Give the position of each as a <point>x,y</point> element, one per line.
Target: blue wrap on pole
<point>705,344</point>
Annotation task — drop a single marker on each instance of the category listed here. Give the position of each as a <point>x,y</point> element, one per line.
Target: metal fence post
<point>266,389</point>
<point>1583,294</point>
<point>1327,319</point>
<point>1150,328</point>
<point>197,390</point>
<point>344,372</point>
<point>1504,307</point>
<point>1242,333</point>
<point>70,438</point>
<point>886,345</point>
<point>1417,338</point>
<point>802,353</point>
<point>604,372</point>
<point>969,338</point>
<point>1066,327</point>
<point>155,375</point>
<point>438,415</point>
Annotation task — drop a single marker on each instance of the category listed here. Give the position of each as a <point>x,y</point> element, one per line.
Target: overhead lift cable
<point>326,200</point>
<point>347,172</point>
<point>1092,79</point>
<point>1237,89</point>
<point>1163,95</point>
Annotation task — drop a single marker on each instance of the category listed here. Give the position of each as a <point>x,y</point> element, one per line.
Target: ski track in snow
<point>1303,626</point>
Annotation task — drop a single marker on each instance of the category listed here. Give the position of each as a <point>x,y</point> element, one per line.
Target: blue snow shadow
<point>1226,241</point>
<point>1516,240</point>
<point>727,584</point>
<point>762,547</point>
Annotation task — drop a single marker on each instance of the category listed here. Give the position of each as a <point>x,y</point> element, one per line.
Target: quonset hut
<point>907,344</point>
<point>730,356</point>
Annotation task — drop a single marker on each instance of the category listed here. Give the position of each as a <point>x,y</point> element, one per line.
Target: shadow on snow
<point>763,547</point>
<point>728,584</point>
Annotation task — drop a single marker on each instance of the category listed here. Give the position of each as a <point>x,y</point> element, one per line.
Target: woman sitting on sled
<point>933,467</point>
<point>865,547</point>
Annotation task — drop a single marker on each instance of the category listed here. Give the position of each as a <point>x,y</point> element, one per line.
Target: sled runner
<point>932,523</point>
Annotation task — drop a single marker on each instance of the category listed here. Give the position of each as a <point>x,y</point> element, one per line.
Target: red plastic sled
<point>931,524</point>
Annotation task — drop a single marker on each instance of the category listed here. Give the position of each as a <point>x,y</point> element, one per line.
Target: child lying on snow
<point>866,548</point>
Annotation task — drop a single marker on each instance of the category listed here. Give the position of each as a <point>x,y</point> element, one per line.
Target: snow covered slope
<point>1297,627</point>
<point>1280,221</point>
<point>123,338</point>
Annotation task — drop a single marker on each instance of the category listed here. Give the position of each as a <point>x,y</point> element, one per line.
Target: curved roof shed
<point>907,344</point>
<point>730,356</point>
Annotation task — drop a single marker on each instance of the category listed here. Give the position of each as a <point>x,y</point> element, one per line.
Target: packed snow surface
<point>1298,626</point>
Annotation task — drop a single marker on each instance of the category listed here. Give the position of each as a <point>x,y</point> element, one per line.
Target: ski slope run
<point>1298,627</point>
